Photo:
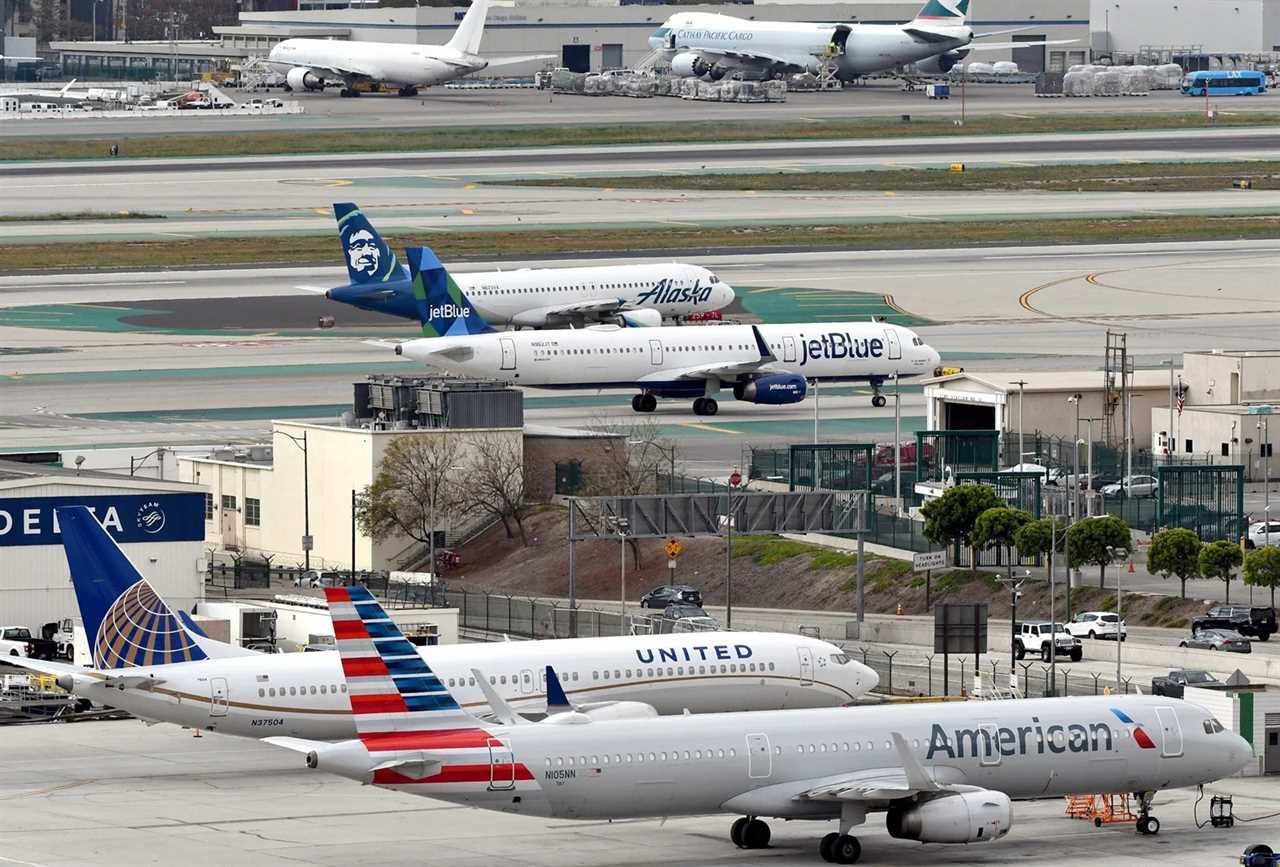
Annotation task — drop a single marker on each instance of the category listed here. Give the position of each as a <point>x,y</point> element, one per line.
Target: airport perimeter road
<point>120,794</point>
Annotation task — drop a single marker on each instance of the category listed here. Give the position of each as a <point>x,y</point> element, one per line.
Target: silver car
<point>1218,639</point>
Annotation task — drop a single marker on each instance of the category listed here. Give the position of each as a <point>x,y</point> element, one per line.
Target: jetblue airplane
<point>941,774</point>
<point>159,667</point>
<point>629,295</point>
<point>765,364</point>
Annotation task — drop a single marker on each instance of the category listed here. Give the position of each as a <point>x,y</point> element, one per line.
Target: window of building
<point>228,501</point>
<point>208,507</point>
<point>1264,450</point>
<point>1188,447</point>
<point>252,512</point>
<point>1226,450</point>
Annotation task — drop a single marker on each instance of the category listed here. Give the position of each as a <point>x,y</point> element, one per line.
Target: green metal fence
<point>831,466</point>
<point>772,465</point>
<point>938,452</point>
<point>1206,499</point>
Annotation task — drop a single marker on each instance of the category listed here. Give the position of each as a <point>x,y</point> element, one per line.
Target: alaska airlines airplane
<point>629,295</point>
<point>708,45</point>
<point>309,63</point>
<point>161,668</point>
<point>942,774</point>
<point>766,364</point>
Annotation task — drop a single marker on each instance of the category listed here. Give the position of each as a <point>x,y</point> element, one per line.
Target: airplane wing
<point>520,58</point>
<point>924,35</point>
<point>83,675</point>
<point>726,370</point>
<point>602,305</point>
<point>989,33</point>
<point>345,73</point>
<point>772,60</point>
<point>1003,46</point>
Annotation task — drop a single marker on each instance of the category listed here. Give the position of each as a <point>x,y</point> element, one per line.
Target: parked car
<point>1263,534</point>
<point>1218,639</point>
<point>1175,682</point>
<point>661,597</point>
<point>18,641</point>
<point>1132,486</point>
<point>1259,623</point>
<point>1034,637</point>
<point>1097,624</point>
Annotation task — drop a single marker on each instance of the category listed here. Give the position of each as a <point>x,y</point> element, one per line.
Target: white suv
<point>1034,638</point>
<point>1096,624</point>
<point>1263,534</point>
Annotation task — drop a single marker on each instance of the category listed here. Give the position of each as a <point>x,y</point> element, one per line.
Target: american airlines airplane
<point>628,295</point>
<point>765,364</point>
<point>160,667</point>
<point>708,45</point>
<point>941,774</point>
<point>309,63</point>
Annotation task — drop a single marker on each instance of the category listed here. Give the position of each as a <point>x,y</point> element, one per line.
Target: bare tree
<point>497,483</point>
<point>413,488</point>
<point>634,468</point>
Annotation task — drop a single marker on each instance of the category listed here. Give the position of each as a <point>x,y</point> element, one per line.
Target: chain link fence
<point>922,674</point>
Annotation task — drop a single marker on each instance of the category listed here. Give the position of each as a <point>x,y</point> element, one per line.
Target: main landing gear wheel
<point>1148,825</point>
<point>407,91</point>
<point>735,831</point>
<point>705,406</point>
<point>844,849</point>
<point>755,835</point>
<point>346,91</point>
<point>878,401</point>
<point>827,847</point>
<point>644,402</point>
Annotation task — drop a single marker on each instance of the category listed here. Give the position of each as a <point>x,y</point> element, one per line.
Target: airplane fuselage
<point>399,63</point>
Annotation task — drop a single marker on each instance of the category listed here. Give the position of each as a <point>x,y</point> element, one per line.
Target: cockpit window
<point>715,279</point>
<point>839,658</point>
<point>1212,727</point>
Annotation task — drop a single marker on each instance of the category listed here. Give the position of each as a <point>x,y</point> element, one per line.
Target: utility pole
<point>353,536</point>
<point>897,443</point>
<point>307,541</point>
<point>1021,384</point>
<point>1170,440</point>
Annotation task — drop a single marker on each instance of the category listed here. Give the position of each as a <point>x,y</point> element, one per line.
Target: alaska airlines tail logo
<point>139,629</point>
<point>368,258</point>
<point>1140,737</point>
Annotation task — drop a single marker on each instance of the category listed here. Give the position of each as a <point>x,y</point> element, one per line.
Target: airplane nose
<point>867,678</point>
<point>1241,753</point>
<point>726,295</point>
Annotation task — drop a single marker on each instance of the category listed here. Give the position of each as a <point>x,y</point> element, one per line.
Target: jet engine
<point>300,78</point>
<point>963,817</point>
<point>689,63</point>
<point>646,317</point>
<point>775,389</point>
<point>941,64</point>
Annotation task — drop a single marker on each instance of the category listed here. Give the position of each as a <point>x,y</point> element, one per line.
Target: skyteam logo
<point>837,345</point>
<point>1140,737</point>
<point>150,517</point>
<point>666,292</point>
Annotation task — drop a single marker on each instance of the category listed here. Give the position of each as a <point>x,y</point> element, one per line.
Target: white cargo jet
<point>161,668</point>
<point>708,45</point>
<point>941,773</point>
<point>308,63</point>
<point>764,364</point>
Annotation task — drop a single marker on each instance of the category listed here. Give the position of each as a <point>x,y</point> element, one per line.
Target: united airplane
<point>765,364</point>
<point>709,45</point>
<point>940,774</point>
<point>629,295</point>
<point>158,666</point>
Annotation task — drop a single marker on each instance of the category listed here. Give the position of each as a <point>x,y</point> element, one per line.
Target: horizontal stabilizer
<point>515,59</point>
<point>502,711</point>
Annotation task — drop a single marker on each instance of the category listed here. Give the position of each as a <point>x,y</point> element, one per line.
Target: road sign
<point>673,548</point>
<point>929,560</point>
<point>735,479</point>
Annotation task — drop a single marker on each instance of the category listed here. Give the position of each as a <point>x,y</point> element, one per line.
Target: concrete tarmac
<point>119,794</point>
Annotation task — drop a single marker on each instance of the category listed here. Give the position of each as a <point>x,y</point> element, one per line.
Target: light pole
<point>1014,586</point>
<point>1118,554</point>
<point>1021,384</point>
<point>897,443</point>
<point>620,526</point>
<point>307,541</point>
<point>135,463</point>
<point>734,479</point>
<point>1076,398</point>
<point>1264,445</point>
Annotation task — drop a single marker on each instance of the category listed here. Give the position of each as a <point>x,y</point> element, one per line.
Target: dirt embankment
<point>768,572</point>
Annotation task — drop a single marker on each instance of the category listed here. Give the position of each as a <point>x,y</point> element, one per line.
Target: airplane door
<point>990,745</point>
<point>806,666</point>
<point>502,768</point>
<point>891,338</point>
<point>1171,731</point>
<point>655,352</point>
<point>528,684</point>
<point>788,349</point>
<point>217,696</point>
<point>759,757</point>
<point>508,353</point>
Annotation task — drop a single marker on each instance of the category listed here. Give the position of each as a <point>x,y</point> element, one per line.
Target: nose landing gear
<point>877,398</point>
<point>1148,825</point>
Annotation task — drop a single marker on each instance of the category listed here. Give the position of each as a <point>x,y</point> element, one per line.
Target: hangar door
<point>968,416</point>
<point>576,58</point>
<point>1031,58</point>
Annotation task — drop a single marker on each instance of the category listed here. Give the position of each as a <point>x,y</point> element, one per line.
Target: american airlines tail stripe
<point>382,703</point>
<point>440,739</point>
<point>348,629</point>
<point>365,666</point>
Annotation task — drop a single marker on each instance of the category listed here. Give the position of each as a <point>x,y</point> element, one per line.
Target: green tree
<point>998,527</point>
<point>1219,560</point>
<point>1175,551</point>
<point>1088,542</point>
<point>1262,569</point>
<point>417,489</point>
<point>1035,538</point>
<point>950,518</point>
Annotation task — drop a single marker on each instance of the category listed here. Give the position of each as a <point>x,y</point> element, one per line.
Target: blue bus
<point>1234,82</point>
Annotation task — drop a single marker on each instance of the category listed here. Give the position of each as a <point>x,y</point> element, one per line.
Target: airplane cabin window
<point>293,690</point>
<point>273,692</point>
<point>324,689</point>
<point>313,690</point>
<point>606,675</point>
<point>344,687</point>
<point>262,694</point>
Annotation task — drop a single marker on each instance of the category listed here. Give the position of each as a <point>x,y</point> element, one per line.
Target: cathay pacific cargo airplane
<point>767,364</point>
<point>940,773</point>
<point>158,666</point>
<point>629,295</point>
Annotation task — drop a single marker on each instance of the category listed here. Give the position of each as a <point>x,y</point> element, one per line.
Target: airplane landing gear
<point>1148,825</point>
<point>705,406</point>
<point>644,402</point>
<point>877,398</point>
<point>347,91</point>
<point>749,833</point>
<point>840,849</point>
<point>407,91</point>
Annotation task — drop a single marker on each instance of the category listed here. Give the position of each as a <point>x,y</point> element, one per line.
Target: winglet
<point>502,711</point>
<point>918,778</point>
<point>557,701</point>
<point>766,354</point>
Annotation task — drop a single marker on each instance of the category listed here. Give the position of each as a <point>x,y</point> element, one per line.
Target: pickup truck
<point>18,641</point>
<point>1175,682</point>
<point>1257,622</point>
<point>1033,637</point>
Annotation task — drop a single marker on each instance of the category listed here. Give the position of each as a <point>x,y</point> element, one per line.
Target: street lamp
<point>135,463</point>
<point>1014,586</point>
<point>1021,384</point>
<point>620,526</point>
<point>307,541</point>
<point>1118,554</point>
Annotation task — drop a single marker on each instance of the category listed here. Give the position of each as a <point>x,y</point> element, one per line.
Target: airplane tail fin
<point>442,307</point>
<point>368,258</point>
<point>126,622</point>
<point>391,687</point>
<point>944,11</point>
<point>466,39</point>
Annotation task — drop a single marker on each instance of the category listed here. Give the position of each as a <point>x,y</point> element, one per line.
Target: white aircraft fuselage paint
<point>405,64</point>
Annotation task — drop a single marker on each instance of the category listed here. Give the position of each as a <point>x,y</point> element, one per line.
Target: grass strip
<point>74,216</point>
<point>1110,177</point>
<point>318,249</point>
<point>363,140</point>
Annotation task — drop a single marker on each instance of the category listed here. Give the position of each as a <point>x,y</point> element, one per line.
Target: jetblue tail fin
<point>126,622</point>
<point>466,39</point>
<point>442,308</point>
<point>944,11</point>
<point>368,258</point>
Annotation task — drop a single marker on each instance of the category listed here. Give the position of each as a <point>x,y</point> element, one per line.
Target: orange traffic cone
<point>1131,569</point>
<point>899,612</point>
